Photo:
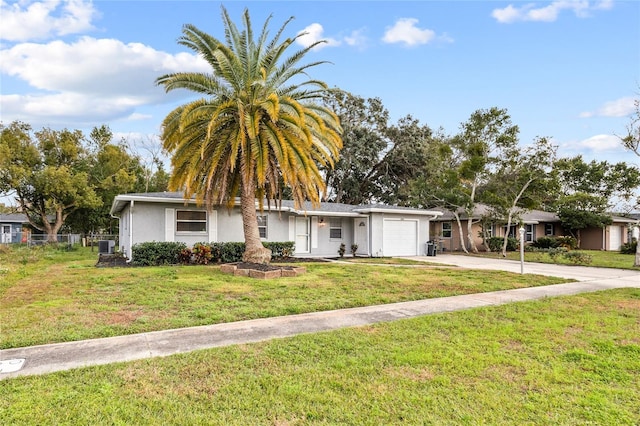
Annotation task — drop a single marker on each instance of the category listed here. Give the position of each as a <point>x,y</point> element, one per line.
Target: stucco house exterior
<point>378,230</point>
<point>12,228</point>
<point>537,223</point>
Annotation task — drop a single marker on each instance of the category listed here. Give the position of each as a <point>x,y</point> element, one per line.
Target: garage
<point>615,237</point>
<point>400,237</point>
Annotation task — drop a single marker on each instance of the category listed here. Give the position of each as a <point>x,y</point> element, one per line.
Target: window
<point>446,229</point>
<point>529,233</point>
<point>548,229</point>
<point>262,226</point>
<point>191,221</point>
<point>487,230</point>
<point>335,229</point>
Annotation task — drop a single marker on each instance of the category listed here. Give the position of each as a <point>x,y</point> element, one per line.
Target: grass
<point>571,360</point>
<point>57,296</point>
<point>600,259</point>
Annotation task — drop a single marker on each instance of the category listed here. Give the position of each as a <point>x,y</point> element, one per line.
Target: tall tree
<point>46,173</point>
<point>112,169</point>
<point>483,138</point>
<point>441,185</point>
<point>587,191</point>
<point>259,124</point>
<point>364,122</point>
<point>519,182</point>
<point>631,141</point>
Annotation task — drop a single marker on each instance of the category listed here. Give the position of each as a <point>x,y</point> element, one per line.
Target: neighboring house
<point>378,230</point>
<point>610,238</point>
<point>537,223</point>
<point>13,228</point>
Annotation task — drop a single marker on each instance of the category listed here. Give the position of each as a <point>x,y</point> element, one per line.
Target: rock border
<point>273,272</point>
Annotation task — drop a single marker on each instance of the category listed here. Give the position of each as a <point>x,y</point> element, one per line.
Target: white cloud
<point>405,31</point>
<point>26,20</point>
<point>549,13</point>
<point>314,33</point>
<point>601,143</point>
<point>108,79</point>
<point>619,108</point>
<point>356,39</point>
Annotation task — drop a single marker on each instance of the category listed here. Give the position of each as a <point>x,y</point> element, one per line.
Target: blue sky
<point>569,70</point>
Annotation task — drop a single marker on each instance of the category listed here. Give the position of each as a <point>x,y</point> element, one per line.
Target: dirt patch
<point>111,260</point>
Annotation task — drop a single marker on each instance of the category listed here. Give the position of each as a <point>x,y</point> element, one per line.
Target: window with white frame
<point>548,229</point>
<point>446,229</point>
<point>529,233</point>
<point>191,221</point>
<point>263,226</point>
<point>335,229</point>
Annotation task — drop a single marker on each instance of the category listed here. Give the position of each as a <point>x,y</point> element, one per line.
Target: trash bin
<point>431,248</point>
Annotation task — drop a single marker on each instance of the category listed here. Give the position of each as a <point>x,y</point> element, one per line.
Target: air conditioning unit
<point>106,246</point>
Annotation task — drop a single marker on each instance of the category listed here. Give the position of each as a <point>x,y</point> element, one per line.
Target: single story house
<point>537,223</point>
<point>611,237</point>
<point>378,230</point>
<point>13,228</point>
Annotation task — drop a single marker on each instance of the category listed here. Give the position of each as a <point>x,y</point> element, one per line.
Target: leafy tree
<point>47,174</point>
<point>519,182</point>
<point>441,185</point>
<point>631,141</point>
<point>378,160</point>
<point>259,125</point>
<point>409,154</point>
<point>364,123</point>
<point>111,170</point>
<point>586,191</point>
<point>486,136</point>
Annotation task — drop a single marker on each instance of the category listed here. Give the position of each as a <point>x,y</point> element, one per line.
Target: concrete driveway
<point>579,273</point>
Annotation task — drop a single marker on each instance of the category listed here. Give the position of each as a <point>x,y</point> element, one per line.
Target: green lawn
<point>571,361</point>
<point>53,296</point>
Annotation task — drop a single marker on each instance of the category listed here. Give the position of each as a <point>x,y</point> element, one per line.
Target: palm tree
<point>258,126</point>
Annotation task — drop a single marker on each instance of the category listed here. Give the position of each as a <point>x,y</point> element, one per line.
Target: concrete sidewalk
<point>63,356</point>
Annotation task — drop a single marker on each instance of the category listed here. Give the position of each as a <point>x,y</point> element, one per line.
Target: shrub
<point>185,256</point>
<point>201,253</point>
<point>354,249</point>
<point>232,252</point>
<point>556,251</point>
<point>569,242</point>
<point>629,248</point>
<point>280,250</point>
<point>577,258</point>
<point>157,253</point>
<point>545,243</point>
<point>495,243</point>
<point>341,250</point>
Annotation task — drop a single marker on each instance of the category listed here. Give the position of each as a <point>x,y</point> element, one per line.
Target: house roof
<point>13,218</point>
<point>529,216</point>
<point>324,209</point>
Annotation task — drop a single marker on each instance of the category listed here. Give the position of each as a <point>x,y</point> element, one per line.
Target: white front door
<point>361,235</point>
<point>615,238</point>
<point>5,236</point>
<point>302,235</point>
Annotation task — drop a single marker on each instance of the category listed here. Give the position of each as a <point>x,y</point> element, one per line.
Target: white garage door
<point>615,238</point>
<point>400,237</point>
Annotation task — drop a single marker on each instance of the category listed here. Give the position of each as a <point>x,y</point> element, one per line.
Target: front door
<point>5,235</point>
<point>302,235</point>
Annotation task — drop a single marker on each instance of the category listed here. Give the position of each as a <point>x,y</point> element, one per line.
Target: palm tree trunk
<point>254,251</point>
